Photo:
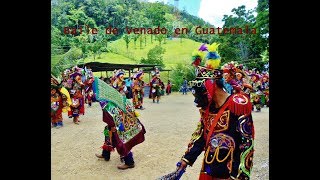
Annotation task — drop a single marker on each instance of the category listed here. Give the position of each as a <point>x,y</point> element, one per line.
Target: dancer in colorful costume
<point>225,131</point>
<point>156,85</point>
<point>168,88</point>
<point>265,89</point>
<point>123,130</point>
<point>138,90</point>
<point>256,92</point>
<point>118,82</point>
<point>60,102</point>
<point>77,93</point>
<point>229,75</point>
<point>243,81</point>
<point>88,86</point>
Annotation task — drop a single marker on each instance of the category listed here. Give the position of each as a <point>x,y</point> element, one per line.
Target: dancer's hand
<point>183,165</point>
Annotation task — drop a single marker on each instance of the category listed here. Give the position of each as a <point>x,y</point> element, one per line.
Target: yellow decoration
<point>64,91</point>
<point>198,53</point>
<point>213,47</point>
<point>213,64</point>
<point>137,113</point>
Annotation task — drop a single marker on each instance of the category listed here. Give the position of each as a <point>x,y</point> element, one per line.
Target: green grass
<point>110,58</point>
<point>175,50</point>
<point>104,57</point>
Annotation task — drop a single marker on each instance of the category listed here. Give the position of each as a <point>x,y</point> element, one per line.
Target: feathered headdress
<point>138,74</point>
<point>213,57</point>
<point>119,72</point>
<point>88,72</point>
<point>230,67</point>
<point>155,71</point>
<point>198,55</point>
<point>212,62</point>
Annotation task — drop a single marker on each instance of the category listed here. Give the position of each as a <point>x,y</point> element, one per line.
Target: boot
<point>54,125</point>
<point>128,162</point>
<point>59,124</point>
<point>75,120</point>
<point>124,166</point>
<point>105,154</point>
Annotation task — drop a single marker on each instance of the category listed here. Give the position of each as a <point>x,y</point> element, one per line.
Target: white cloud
<point>212,11</point>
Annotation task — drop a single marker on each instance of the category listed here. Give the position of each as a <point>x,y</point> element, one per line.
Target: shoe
<point>124,166</point>
<point>54,125</point>
<point>100,156</point>
<point>60,123</point>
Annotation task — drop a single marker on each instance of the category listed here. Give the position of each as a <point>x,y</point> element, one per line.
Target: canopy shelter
<point>99,67</point>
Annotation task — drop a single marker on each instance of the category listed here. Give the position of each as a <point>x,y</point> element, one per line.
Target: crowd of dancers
<point>74,90</point>
<point>225,96</point>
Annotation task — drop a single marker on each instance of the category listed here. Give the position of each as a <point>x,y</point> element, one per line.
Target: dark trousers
<point>129,94</point>
<point>128,159</point>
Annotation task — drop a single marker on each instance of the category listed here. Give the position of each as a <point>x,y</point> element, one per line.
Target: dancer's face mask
<point>200,96</point>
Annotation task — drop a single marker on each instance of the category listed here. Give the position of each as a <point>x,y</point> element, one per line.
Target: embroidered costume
<point>124,130</point>
<point>138,90</point>
<point>256,92</point>
<point>229,151</point>
<point>156,85</point>
<point>225,131</point>
<point>60,102</point>
<point>56,107</point>
<point>118,82</point>
<point>265,90</point>
<point>88,81</point>
<point>168,88</point>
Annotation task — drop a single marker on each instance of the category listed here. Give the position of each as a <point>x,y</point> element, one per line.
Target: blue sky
<point>211,11</point>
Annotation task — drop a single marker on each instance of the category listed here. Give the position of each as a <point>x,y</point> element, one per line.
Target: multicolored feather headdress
<point>138,74</point>
<point>213,59</point>
<point>118,73</point>
<point>198,55</point>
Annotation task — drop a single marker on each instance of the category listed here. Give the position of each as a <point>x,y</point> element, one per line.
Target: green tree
<point>156,12</point>
<point>154,56</point>
<point>127,39</point>
<point>239,45</point>
<point>262,22</point>
<point>179,72</point>
<point>160,38</point>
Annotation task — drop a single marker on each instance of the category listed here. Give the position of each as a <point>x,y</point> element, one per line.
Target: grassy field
<point>175,50</point>
<point>104,57</point>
